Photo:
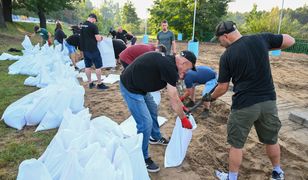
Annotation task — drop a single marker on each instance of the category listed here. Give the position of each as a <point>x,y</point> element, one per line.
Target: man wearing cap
<point>150,72</point>
<point>246,62</point>
<point>89,37</point>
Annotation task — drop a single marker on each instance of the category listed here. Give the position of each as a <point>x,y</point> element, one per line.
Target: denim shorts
<point>71,49</point>
<point>91,58</point>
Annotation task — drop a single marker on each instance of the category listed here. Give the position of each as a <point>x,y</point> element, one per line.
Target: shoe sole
<point>156,143</point>
<point>153,171</point>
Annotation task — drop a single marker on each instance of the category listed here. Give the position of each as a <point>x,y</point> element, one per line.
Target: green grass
<point>16,146</point>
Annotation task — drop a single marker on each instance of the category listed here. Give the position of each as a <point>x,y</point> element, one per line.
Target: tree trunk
<point>7,10</point>
<point>42,18</point>
<point>2,22</point>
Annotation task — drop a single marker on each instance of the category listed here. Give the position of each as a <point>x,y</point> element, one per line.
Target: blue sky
<point>238,5</point>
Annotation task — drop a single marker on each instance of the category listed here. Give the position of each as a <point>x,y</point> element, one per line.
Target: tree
<point>41,7</point>
<point>2,22</point>
<point>7,10</point>
<point>180,16</point>
<point>111,15</point>
<point>129,18</point>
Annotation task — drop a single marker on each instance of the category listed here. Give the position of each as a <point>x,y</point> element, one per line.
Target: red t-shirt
<point>132,52</point>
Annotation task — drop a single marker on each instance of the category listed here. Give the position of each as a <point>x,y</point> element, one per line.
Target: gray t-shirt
<point>166,39</point>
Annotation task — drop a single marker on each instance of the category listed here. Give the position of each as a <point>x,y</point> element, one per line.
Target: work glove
<point>182,98</point>
<point>186,123</point>
<point>207,98</point>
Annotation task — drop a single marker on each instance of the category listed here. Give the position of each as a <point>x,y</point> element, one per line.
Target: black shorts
<point>91,58</point>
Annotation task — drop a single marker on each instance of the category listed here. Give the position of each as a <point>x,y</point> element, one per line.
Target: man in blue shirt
<point>204,75</point>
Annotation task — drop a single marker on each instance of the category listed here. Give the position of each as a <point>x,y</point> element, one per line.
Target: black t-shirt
<point>150,72</point>
<point>88,41</point>
<point>60,35</point>
<point>122,35</point>
<point>118,47</point>
<point>246,61</point>
<point>74,40</point>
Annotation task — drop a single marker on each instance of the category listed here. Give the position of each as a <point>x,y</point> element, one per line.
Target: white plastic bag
<point>178,144</point>
<point>34,170</point>
<point>105,47</point>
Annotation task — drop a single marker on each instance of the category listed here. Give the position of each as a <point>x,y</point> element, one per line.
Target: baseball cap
<point>92,15</point>
<point>190,56</point>
<point>222,28</point>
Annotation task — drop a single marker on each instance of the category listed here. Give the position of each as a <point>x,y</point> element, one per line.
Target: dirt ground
<point>208,150</point>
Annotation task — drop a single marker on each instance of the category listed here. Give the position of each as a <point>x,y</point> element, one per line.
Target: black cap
<point>92,15</point>
<point>190,56</point>
<point>222,28</point>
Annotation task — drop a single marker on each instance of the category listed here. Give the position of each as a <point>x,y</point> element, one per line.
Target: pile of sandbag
<point>45,106</point>
<point>84,149</point>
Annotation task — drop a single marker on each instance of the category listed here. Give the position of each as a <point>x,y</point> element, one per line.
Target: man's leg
<point>88,73</point>
<point>235,159</point>
<point>98,65</point>
<point>273,152</point>
<point>152,106</point>
<point>99,75</point>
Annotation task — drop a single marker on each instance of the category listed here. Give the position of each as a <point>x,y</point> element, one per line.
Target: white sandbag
<point>105,48</point>
<point>79,122</point>
<point>156,96</point>
<point>111,78</point>
<point>34,170</point>
<point>178,144</point>
<point>129,126</point>
<point>104,123</point>
<point>80,64</point>
<point>72,169</point>
<point>26,43</point>
<point>99,167</point>
<point>6,56</point>
<point>84,155</point>
<point>77,100</point>
<point>31,81</point>
<point>133,146</point>
<point>122,165</point>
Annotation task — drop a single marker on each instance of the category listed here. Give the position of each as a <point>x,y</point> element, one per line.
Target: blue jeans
<point>144,110</point>
<point>209,86</point>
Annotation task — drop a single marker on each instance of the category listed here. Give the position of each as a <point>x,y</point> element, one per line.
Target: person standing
<point>89,37</point>
<point>151,72</point>
<point>59,34</point>
<point>246,62</point>
<point>166,37</point>
<point>205,76</point>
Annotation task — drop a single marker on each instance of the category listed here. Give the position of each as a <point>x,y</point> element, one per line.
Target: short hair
<point>36,28</point>
<point>164,21</point>
<point>161,48</point>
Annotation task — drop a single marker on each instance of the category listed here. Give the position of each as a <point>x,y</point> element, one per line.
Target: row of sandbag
<point>84,149</point>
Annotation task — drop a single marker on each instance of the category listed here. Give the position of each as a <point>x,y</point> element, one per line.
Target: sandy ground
<point>208,150</point>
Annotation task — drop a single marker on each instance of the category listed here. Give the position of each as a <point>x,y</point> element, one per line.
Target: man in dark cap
<point>246,62</point>
<point>89,37</point>
<point>151,72</point>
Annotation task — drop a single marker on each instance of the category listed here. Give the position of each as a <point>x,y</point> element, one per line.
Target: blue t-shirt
<point>201,76</point>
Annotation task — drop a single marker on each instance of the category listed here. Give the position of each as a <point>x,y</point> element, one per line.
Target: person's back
<point>118,47</point>
<point>60,35</point>
<point>132,52</point>
<point>74,40</point>
<point>201,76</point>
<point>249,61</point>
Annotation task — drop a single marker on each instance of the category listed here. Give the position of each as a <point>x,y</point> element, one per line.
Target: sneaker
<point>151,166</point>
<point>76,68</point>
<point>161,141</point>
<point>190,103</point>
<point>91,85</point>
<point>102,86</point>
<point>222,175</point>
<point>205,113</point>
<point>277,176</point>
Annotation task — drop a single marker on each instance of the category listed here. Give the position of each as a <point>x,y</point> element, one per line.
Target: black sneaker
<point>151,166</point>
<point>190,103</point>
<point>205,113</point>
<point>102,86</point>
<point>161,141</point>
<point>91,85</point>
<point>277,176</point>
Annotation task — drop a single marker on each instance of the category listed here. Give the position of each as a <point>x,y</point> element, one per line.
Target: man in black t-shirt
<point>72,43</point>
<point>89,37</point>
<point>124,35</point>
<point>246,62</point>
<point>151,72</point>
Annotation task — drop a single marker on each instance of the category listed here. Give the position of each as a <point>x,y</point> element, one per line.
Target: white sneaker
<point>221,175</point>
